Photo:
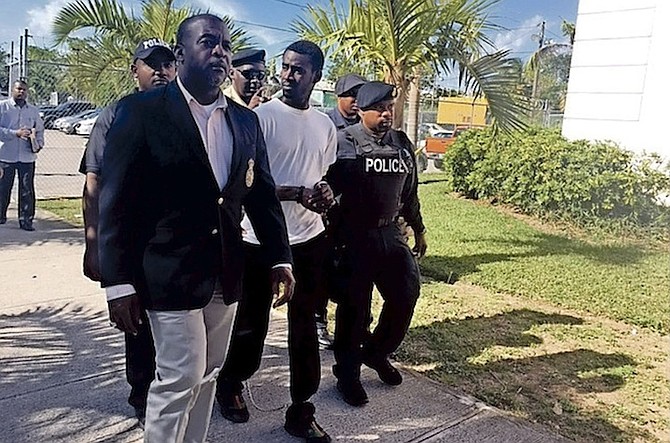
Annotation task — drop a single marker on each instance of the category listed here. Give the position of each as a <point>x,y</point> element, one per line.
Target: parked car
<point>44,108</point>
<point>69,125</point>
<point>64,110</point>
<point>84,127</point>
<point>59,123</point>
<point>436,145</point>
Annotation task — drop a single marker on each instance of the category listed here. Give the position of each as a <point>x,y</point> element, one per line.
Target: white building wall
<point>619,87</point>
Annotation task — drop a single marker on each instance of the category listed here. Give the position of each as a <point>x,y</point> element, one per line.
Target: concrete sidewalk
<point>62,376</point>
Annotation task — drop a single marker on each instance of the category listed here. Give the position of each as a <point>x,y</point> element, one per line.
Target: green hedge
<point>543,174</point>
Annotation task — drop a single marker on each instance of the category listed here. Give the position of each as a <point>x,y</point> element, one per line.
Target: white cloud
<point>41,18</point>
<point>220,7</point>
<point>519,37</point>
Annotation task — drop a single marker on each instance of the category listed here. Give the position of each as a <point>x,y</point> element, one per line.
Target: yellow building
<point>462,111</point>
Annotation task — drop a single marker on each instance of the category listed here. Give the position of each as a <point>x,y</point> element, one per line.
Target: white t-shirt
<point>301,145</point>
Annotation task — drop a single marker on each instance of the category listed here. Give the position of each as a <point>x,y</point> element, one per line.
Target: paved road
<point>57,166</point>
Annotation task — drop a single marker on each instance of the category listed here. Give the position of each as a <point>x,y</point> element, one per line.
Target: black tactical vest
<point>380,174</point>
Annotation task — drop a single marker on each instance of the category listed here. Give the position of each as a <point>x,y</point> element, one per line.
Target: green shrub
<point>544,174</point>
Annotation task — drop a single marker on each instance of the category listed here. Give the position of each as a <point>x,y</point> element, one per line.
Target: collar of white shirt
<point>220,101</point>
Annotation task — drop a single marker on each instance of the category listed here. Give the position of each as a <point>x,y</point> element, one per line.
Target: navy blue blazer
<point>165,226</point>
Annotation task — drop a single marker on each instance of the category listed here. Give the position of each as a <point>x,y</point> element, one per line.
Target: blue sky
<point>268,20</point>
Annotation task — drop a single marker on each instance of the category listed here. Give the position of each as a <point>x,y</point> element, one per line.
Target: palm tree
<point>99,64</point>
<point>402,38</point>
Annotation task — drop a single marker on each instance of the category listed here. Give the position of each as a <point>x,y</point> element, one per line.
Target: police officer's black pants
<point>26,173</point>
<point>140,363</point>
<point>251,324</point>
<point>378,257</point>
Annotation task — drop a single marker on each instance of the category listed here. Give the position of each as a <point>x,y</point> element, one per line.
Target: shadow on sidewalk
<point>48,228</point>
<point>61,376</point>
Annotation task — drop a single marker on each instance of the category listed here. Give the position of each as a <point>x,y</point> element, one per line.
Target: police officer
<point>247,78</point>
<point>343,115</point>
<point>346,112</point>
<point>375,176</point>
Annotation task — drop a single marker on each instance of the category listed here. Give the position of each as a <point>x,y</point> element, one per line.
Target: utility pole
<point>536,77</point>
<point>24,60</point>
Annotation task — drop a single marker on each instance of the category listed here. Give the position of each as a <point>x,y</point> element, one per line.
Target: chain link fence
<point>68,117</point>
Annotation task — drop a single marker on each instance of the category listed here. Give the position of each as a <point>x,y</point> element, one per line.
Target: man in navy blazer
<point>180,163</point>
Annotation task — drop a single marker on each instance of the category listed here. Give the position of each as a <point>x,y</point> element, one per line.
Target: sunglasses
<point>251,74</point>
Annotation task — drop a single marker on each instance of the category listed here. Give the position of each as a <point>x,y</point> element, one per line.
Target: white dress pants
<point>191,347</point>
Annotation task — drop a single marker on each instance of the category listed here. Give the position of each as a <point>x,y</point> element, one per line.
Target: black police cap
<point>248,56</point>
<point>348,82</point>
<point>374,92</point>
<point>147,47</point>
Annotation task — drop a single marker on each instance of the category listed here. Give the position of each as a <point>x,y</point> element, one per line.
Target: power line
<point>264,26</point>
<point>291,3</point>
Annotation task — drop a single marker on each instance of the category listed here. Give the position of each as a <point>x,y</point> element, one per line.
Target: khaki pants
<point>191,347</point>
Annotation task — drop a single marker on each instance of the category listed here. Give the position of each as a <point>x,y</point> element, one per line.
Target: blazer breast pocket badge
<point>249,177</point>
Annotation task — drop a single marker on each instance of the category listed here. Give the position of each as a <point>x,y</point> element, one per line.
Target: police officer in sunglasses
<point>248,78</point>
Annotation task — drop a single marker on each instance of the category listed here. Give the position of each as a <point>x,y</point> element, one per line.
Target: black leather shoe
<point>233,407</point>
<point>141,415</point>
<point>300,422</point>
<point>26,226</point>
<point>385,370</point>
<point>352,392</point>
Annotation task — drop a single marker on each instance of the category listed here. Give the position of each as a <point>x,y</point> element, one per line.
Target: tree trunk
<point>397,78</point>
<point>413,108</point>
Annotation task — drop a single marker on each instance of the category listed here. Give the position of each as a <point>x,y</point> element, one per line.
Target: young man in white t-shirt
<point>302,144</point>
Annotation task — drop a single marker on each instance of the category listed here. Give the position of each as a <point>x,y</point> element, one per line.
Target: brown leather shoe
<point>233,407</point>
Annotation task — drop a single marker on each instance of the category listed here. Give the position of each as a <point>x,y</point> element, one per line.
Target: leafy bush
<point>543,174</point>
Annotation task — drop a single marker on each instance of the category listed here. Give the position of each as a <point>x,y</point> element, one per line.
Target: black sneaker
<point>352,391</point>
<point>300,422</point>
<point>385,370</point>
<point>233,407</point>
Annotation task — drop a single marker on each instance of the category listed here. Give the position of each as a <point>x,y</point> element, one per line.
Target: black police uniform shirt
<point>376,178</point>
<point>338,119</point>
<point>91,161</point>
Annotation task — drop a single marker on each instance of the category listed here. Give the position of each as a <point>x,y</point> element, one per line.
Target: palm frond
<point>160,18</point>
<point>493,77</point>
<point>102,16</point>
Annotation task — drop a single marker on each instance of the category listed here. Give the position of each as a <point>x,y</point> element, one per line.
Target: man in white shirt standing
<point>302,144</point>
<point>19,122</point>
<point>180,162</point>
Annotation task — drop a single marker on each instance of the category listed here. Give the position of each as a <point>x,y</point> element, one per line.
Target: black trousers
<point>26,173</point>
<point>325,286</point>
<point>251,323</point>
<point>378,257</point>
<point>140,363</point>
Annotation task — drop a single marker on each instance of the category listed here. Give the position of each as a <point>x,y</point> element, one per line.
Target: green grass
<point>68,209</point>
<point>479,244</point>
